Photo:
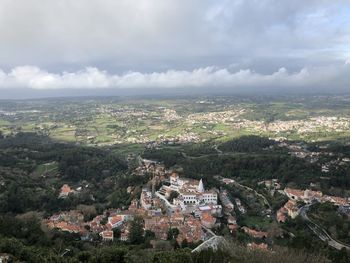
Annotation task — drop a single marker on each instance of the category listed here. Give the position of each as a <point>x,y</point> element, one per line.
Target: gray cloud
<point>180,40</point>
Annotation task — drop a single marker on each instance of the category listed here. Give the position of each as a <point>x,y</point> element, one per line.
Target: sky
<point>64,47</point>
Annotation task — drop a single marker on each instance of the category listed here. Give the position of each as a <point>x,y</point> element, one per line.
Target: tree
<point>116,233</point>
<point>136,231</point>
<point>173,233</point>
<point>149,234</point>
<point>119,198</point>
<point>184,243</point>
<point>173,194</point>
<point>89,211</point>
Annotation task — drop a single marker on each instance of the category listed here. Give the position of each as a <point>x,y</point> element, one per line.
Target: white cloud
<point>208,77</point>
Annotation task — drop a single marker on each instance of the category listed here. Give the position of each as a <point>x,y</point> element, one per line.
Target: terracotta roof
<point>64,226</point>
<point>291,205</point>
<point>208,218</point>
<point>295,192</point>
<point>254,233</point>
<point>65,189</point>
<point>107,234</point>
<point>115,219</point>
<point>281,217</point>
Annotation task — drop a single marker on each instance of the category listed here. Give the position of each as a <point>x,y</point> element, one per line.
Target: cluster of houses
<point>183,138</point>
<point>307,196</point>
<point>189,227</point>
<point>150,167</point>
<point>67,190</point>
<point>215,117</point>
<point>180,203</point>
<point>226,202</point>
<point>70,221</point>
<point>328,124</point>
<point>289,209</point>
<point>185,213</point>
<point>101,225</point>
<point>171,115</point>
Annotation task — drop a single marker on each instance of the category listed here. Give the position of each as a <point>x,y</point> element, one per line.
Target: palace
<point>190,192</point>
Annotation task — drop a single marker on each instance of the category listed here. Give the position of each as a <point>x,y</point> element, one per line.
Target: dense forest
<point>25,188</point>
<point>252,159</point>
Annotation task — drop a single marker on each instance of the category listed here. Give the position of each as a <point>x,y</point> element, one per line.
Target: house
<point>215,210</point>
<point>306,196</point>
<point>208,220</point>
<point>226,202</point>
<point>134,205</point>
<point>241,208</point>
<point>294,194</point>
<point>159,225</point>
<point>292,208</point>
<point>65,191</point>
<point>227,181</point>
<point>124,236</point>
<point>107,235</point>
<point>231,220</point>
<point>232,224</point>
<point>233,228</point>
<point>281,215</point>
<point>254,233</point>
<point>191,230</point>
<point>115,221</point>
<point>340,201</point>
<point>68,227</point>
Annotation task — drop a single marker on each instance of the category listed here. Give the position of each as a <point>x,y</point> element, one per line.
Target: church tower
<point>200,186</point>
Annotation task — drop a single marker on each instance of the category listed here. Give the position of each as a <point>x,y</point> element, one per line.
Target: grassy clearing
<point>46,167</point>
<point>256,222</point>
<point>125,149</point>
<point>4,122</point>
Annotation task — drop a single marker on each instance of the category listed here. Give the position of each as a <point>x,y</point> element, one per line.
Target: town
<point>169,201</point>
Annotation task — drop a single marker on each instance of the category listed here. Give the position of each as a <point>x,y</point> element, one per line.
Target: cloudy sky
<point>233,45</point>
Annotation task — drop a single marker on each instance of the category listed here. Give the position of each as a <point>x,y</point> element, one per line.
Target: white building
<point>191,192</point>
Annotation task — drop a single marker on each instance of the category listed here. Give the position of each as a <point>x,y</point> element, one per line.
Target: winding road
<point>319,231</point>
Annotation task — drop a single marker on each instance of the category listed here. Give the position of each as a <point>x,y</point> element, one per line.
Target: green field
<point>113,121</point>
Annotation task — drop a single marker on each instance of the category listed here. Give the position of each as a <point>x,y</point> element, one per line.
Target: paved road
<point>319,231</point>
